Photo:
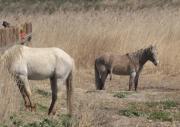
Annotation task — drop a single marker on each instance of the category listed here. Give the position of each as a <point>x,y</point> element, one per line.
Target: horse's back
<point>112,59</point>
<point>41,63</point>
<point>50,54</point>
<point>119,64</point>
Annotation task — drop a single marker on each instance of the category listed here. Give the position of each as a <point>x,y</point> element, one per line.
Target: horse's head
<point>152,53</point>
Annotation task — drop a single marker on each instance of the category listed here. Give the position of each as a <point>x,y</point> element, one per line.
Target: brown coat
<point>128,64</point>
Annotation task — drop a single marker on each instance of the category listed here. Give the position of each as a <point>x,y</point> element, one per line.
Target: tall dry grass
<point>9,92</point>
<point>9,95</point>
<point>85,35</point>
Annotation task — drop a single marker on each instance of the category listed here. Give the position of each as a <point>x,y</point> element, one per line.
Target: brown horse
<point>128,64</point>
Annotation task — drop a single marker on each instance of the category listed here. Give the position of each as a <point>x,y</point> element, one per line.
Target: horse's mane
<point>139,53</point>
<point>10,54</point>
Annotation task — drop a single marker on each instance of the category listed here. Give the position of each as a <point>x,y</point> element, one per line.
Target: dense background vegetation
<point>51,6</point>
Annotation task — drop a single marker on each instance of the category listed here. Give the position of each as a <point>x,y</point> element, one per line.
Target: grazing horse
<point>25,63</point>
<point>128,64</point>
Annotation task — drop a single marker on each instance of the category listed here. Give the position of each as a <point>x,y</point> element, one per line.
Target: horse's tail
<point>98,80</point>
<point>69,90</point>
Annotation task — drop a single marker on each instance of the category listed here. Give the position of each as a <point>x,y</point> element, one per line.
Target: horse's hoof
<point>27,107</point>
<point>53,112</point>
<point>33,108</point>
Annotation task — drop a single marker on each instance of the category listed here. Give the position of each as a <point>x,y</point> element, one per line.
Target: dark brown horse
<point>128,64</point>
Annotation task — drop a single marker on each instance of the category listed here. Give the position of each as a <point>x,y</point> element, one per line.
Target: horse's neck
<point>143,58</point>
<point>4,48</point>
<point>2,51</point>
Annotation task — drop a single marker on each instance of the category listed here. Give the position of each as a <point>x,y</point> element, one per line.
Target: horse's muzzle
<point>156,63</point>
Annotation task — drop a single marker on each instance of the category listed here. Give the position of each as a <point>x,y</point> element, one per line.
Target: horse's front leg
<point>136,81</point>
<point>131,79</point>
<point>21,89</point>
<point>27,92</point>
<point>111,73</point>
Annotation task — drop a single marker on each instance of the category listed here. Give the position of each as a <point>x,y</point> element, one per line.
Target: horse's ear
<point>151,46</point>
<point>155,45</point>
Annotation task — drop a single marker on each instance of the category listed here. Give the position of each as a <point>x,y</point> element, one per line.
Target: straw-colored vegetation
<point>9,94</point>
<point>88,31</point>
<point>87,35</point>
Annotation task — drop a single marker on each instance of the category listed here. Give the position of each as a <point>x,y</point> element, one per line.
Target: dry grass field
<point>85,35</point>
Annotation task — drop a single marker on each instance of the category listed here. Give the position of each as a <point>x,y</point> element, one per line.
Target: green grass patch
<point>169,104</point>
<point>61,121</point>
<point>1,125</point>
<point>44,123</point>
<point>16,121</point>
<point>160,115</point>
<point>131,111</point>
<point>177,116</point>
<point>66,121</point>
<point>167,110</point>
<point>42,108</point>
<point>43,93</point>
<point>122,94</point>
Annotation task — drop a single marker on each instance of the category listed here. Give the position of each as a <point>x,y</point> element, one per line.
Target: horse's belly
<point>120,71</point>
<point>38,77</point>
<point>40,74</point>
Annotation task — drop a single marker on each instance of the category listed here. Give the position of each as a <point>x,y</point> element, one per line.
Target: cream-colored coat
<point>43,63</point>
<point>26,63</point>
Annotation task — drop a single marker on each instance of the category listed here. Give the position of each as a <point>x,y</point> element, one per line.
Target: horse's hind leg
<point>27,91</point>
<point>21,88</point>
<point>54,89</point>
<point>103,78</point>
<point>131,80</point>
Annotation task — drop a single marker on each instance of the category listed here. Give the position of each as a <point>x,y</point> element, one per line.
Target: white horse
<point>27,63</point>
